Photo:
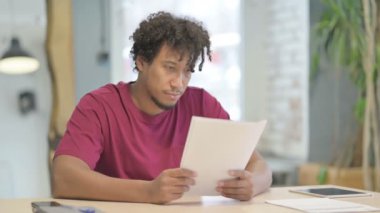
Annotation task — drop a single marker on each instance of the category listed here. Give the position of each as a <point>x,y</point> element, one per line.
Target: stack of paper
<point>214,146</point>
<point>324,205</point>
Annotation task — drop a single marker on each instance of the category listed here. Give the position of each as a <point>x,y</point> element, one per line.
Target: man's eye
<point>171,68</point>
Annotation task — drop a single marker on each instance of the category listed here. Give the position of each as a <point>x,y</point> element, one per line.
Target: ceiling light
<point>17,61</point>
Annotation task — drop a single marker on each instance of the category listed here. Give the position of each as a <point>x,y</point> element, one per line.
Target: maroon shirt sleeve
<point>83,137</point>
<point>212,107</point>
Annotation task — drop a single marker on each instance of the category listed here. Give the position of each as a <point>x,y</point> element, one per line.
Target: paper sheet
<point>215,146</point>
<point>325,205</point>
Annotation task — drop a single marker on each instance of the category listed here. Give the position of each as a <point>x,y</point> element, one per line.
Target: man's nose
<point>178,81</point>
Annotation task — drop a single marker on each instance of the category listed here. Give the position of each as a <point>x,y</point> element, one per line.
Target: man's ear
<point>140,63</point>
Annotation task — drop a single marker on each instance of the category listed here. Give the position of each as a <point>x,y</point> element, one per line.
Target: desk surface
<point>188,204</point>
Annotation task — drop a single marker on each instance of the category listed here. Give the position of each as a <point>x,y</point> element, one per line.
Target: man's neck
<point>142,100</point>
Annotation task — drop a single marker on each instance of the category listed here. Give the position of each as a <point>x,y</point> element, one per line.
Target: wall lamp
<point>18,61</point>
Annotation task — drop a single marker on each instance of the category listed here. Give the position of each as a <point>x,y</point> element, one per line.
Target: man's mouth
<point>173,95</point>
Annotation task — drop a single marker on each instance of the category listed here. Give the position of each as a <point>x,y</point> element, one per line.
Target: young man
<point>124,142</point>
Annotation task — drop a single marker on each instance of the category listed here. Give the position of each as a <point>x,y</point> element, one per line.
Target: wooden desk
<point>187,204</point>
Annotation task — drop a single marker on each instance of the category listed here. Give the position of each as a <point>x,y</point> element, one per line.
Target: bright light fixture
<point>17,61</point>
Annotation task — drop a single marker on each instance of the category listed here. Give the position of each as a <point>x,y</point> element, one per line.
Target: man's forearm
<point>262,174</point>
<point>72,179</point>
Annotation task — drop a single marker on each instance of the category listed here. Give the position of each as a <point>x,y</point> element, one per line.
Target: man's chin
<point>162,105</point>
<point>167,107</point>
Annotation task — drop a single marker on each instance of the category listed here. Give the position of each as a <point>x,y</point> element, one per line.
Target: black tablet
<point>331,192</point>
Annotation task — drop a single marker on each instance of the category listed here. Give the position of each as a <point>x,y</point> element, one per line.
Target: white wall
<point>91,37</point>
<point>23,138</point>
<point>276,71</point>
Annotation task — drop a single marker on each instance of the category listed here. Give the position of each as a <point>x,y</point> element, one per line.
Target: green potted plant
<point>348,35</point>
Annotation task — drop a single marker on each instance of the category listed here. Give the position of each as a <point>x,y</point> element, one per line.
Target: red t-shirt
<point>114,137</point>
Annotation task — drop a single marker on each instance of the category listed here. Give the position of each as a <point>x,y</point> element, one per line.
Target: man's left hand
<point>241,187</point>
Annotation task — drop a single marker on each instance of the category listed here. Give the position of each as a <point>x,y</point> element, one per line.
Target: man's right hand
<point>170,185</point>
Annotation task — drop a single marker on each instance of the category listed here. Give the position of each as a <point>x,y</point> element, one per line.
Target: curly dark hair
<point>183,34</point>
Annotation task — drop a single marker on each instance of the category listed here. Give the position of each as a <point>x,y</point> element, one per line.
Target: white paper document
<point>215,146</point>
<point>322,205</point>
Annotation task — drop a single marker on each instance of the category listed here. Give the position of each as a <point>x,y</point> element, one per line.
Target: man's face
<point>166,78</point>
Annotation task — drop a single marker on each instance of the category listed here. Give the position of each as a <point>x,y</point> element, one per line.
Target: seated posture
<point>124,142</point>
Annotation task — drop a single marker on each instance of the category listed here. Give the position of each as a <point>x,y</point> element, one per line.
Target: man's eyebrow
<point>170,62</point>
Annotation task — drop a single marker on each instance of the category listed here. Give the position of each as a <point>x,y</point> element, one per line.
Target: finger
<point>181,172</point>
<point>240,197</point>
<point>172,182</point>
<point>234,183</point>
<point>183,181</point>
<point>171,197</point>
<point>242,174</point>
<point>179,189</point>
<point>234,191</point>
<point>176,196</point>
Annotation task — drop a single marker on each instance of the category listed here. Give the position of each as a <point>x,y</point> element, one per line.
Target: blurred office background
<point>260,70</point>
